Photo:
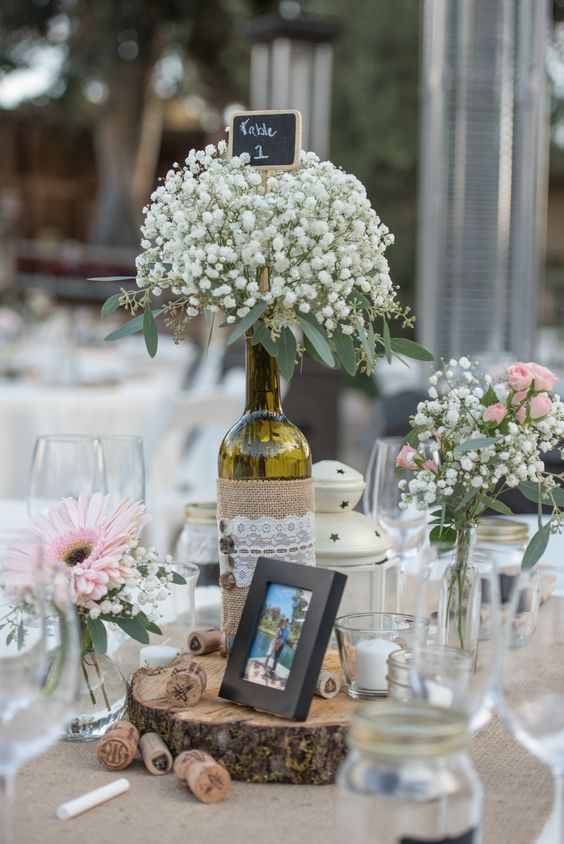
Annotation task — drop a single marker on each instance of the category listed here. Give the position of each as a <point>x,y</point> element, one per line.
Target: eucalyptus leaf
<point>262,335</point>
<point>314,333</point>
<point>177,579</point>
<point>247,322</point>
<point>135,629</point>
<point>387,340</point>
<point>410,349</point>
<point>536,547</point>
<point>151,627</point>
<point>532,491</point>
<point>132,327</point>
<point>21,635</point>
<point>498,506</point>
<point>443,536</point>
<point>113,278</point>
<point>110,305</point>
<point>412,438</point>
<point>287,349</point>
<point>98,634</point>
<point>150,332</point>
<point>344,347</point>
<point>475,444</point>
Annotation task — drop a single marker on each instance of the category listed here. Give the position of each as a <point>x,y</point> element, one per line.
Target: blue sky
<point>278,595</point>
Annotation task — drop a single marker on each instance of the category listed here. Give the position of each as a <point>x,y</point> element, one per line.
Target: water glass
<point>124,467</point>
<point>39,667</point>
<point>532,698</point>
<point>365,640</point>
<point>64,465</point>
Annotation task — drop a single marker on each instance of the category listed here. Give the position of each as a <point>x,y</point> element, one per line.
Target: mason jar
<point>197,544</point>
<point>407,778</point>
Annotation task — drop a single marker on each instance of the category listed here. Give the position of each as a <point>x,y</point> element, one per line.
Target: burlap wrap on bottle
<point>260,518</point>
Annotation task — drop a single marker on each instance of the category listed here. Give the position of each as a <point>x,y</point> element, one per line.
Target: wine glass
<point>447,675</point>
<point>39,668</point>
<point>532,693</point>
<point>123,466</point>
<point>406,526</point>
<point>63,465</point>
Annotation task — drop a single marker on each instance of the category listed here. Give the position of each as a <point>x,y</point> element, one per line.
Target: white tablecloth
<point>129,405</point>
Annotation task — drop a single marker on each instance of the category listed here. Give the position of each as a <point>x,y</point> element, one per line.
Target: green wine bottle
<point>263,444</point>
<point>265,489</point>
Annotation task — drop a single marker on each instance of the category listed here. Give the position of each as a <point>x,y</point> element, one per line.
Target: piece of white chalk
<point>93,798</point>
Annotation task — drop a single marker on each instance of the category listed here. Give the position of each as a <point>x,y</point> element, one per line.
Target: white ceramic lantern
<point>351,542</point>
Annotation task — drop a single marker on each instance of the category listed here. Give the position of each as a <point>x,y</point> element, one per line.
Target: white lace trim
<point>290,539</point>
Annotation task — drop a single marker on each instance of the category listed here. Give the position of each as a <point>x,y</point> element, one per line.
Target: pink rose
<point>517,398</point>
<point>544,379</point>
<point>495,413</point>
<point>519,376</point>
<point>431,466</point>
<point>540,405</point>
<point>404,460</point>
<point>521,414</point>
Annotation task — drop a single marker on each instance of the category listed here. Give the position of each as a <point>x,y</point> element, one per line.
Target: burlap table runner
<point>517,789</point>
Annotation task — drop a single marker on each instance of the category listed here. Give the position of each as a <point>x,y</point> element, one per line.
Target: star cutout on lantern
<point>340,471</point>
<point>334,537</point>
<point>377,534</point>
<point>344,505</point>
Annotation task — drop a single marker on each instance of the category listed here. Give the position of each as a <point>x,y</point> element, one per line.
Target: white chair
<point>181,456</point>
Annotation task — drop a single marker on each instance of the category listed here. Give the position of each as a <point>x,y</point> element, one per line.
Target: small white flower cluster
<point>211,229</point>
<point>146,585</point>
<point>462,407</point>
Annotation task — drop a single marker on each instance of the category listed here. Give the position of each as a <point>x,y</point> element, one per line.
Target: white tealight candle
<point>372,664</point>
<point>437,694</point>
<point>157,656</point>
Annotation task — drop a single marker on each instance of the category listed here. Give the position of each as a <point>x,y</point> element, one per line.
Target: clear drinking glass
<point>123,467</point>
<point>365,641</point>
<point>39,671</point>
<point>406,527</point>
<point>532,698</point>
<point>64,465</point>
<point>432,676</point>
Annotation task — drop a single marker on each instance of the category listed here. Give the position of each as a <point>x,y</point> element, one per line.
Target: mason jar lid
<point>493,529</point>
<point>201,512</point>
<point>410,730</point>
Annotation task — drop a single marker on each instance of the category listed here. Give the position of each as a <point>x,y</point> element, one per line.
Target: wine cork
<point>328,685</point>
<point>192,668</point>
<point>184,689</point>
<point>117,748</point>
<point>204,641</point>
<point>155,753</point>
<point>208,781</point>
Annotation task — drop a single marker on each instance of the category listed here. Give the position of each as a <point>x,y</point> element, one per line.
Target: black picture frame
<point>294,700</point>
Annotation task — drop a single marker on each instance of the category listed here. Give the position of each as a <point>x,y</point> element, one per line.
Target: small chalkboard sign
<point>271,138</point>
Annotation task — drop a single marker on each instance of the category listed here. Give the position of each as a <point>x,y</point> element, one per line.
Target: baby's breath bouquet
<point>300,248</point>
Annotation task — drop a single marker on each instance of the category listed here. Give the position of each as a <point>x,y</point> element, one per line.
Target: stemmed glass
<point>123,467</point>
<point>39,671</point>
<point>406,526</point>
<point>451,676</point>
<point>63,465</point>
<point>532,699</point>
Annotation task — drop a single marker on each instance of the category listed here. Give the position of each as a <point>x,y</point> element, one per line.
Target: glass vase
<point>102,698</point>
<point>458,620</point>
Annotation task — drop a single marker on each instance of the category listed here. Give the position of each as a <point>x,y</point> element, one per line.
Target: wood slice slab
<point>253,746</point>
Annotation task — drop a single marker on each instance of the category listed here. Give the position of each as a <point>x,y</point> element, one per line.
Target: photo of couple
<point>278,632</point>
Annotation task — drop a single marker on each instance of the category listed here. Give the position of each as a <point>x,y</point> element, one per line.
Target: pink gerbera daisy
<point>85,536</point>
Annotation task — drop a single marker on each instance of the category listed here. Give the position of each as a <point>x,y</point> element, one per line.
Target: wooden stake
<point>264,278</point>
